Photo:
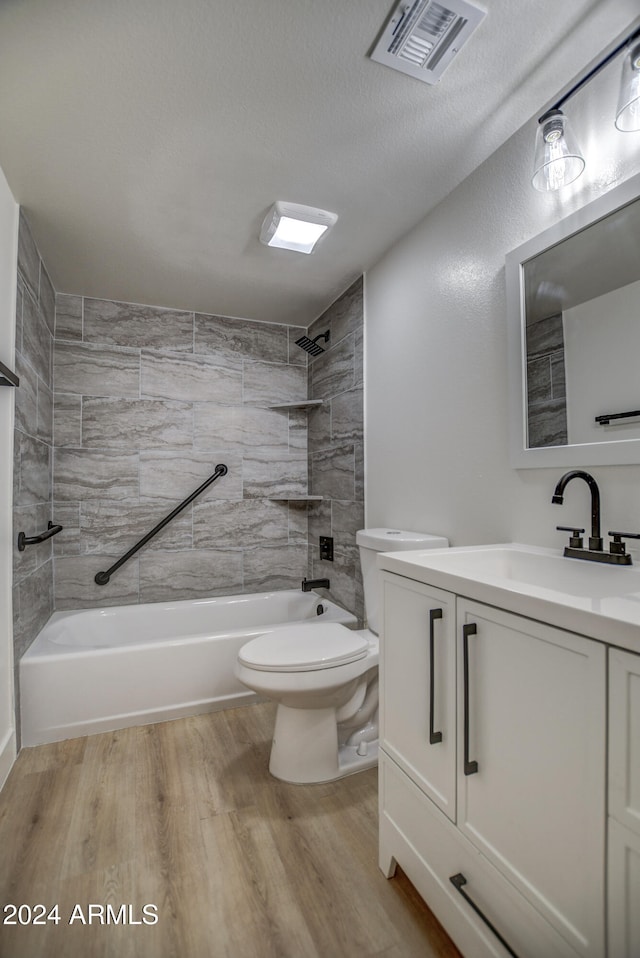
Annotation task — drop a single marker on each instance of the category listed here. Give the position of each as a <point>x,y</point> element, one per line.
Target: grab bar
<point>103,577</point>
<point>8,378</point>
<point>24,540</point>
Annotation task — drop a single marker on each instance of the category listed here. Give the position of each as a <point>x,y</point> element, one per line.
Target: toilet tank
<point>372,541</point>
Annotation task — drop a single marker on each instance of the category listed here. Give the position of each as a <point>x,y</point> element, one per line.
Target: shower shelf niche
<point>298,404</point>
<point>296,498</point>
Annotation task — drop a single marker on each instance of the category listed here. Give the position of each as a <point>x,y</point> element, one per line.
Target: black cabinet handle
<point>434,737</point>
<point>470,768</point>
<point>458,881</point>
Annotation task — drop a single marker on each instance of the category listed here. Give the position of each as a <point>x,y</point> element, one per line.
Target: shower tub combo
<point>100,669</point>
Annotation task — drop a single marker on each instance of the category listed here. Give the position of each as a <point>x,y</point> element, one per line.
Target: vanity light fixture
<point>558,160</point>
<point>295,227</point>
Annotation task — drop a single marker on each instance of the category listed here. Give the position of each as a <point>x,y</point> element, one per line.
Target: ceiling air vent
<point>422,37</point>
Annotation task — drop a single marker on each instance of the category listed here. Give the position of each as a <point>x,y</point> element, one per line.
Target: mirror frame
<point>614,452</point>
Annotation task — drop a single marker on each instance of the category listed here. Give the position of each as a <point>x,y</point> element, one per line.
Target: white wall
<point>600,376</point>
<point>436,359</point>
<point>8,265</point>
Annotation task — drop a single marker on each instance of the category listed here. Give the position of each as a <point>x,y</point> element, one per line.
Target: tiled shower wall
<point>147,402</point>
<point>336,447</point>
<point>33,600</point>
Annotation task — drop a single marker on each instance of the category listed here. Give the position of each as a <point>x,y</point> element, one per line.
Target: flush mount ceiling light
<point>295,227</point>
<point>558,160</point>
<point>421,37</point>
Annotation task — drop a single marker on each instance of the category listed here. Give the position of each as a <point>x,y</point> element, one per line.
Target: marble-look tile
<point>297,355</point>
<point>271,477</point>
<point>319,522</point>
<point>333,372</point>
<point>68,317</point>
<point>36,340</point>
<point>26,408</point>
<point>343,577</point>
<point>129,324</point>
<point>298,431</point>
<point>189,378</point>
<point>239,428</point>
<point>319,425</point>
<point>333,473</point>
<point>240,339</point>
<point>558,376</point>
<point>76,587</point>
<point>358,457</point>
<point>548,423</point>
<point>545,336</point>
<point>227,525</point>
<point>358,358</point>
<point>19,302</point>
<point>67,419</point>
<point>345,315</point>
<point>538,380</point>
<point>166,576</point>
<point>32,520</point>
<point>35,608</point>
<point>346,519</point>
<point>109,526</point>
<point>298,523</point>
<point>136,423</point>
<point>34,482</point>
<point>67,515</point>
<point>272,383</point>
<point>271,567</point>
<point>94,474</point>
<point>96,370</point>
<point>47,299</point>
<point>45,413</point>
<point>28,258</point>
<point>165,475</point>
<point>347,417</point>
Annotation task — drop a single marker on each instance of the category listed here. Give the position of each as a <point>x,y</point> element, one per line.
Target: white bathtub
<point>99,669</point>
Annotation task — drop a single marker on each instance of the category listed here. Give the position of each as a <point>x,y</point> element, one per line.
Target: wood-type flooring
<point>184,816</point>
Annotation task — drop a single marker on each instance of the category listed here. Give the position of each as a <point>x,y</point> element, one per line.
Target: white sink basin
<point>589,597</point>
<point>542,569</point>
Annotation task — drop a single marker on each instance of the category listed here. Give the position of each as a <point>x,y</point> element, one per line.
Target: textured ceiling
<point>146,139</point>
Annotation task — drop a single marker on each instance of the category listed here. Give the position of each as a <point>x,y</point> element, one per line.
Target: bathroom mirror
<point>573,301</point>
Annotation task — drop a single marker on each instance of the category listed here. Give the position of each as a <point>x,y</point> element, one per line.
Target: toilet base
<point>305,748</point>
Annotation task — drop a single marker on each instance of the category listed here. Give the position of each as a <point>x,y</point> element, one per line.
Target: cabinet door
<point>624,738</point>
<point>532,769</point>
<point>624,892</point>
<point>417,671</point>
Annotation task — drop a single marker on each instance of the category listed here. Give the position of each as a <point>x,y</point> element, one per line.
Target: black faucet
<point>617,554</point>
<point>595,540</point>
<point>308,585</point>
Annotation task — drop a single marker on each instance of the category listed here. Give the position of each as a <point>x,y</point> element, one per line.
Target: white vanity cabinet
<point>624,804</point>
<point>510,804</point>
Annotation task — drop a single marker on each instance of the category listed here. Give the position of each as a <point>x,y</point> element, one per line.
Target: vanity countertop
<point>591,598</point>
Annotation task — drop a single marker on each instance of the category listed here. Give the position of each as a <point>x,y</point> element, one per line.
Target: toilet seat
<point>306,648</point>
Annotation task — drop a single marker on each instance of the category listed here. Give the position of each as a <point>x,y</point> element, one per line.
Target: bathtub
<point>95,670</point>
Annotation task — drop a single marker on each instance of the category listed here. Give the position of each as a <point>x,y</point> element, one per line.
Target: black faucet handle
<point>575,541</point>
<point>617,546</point>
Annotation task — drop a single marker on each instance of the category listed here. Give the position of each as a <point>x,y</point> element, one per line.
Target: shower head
<point>311,345</point>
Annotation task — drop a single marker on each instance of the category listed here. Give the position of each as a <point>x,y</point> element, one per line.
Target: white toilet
<point>324,678</point>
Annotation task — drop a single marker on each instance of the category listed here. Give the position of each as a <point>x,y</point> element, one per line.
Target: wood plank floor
<point>185,816</point>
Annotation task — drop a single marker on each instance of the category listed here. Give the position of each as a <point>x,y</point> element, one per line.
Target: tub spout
<point>308,585</point>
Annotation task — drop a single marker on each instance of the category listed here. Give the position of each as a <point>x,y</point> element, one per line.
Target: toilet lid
<point>304,648</point>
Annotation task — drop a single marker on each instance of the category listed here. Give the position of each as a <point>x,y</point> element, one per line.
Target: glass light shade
<point>628,112</point>
<point>558,160</point>
<point>296,234</point>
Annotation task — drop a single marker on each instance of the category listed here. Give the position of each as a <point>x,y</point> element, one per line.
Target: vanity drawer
<point>430,850</point>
